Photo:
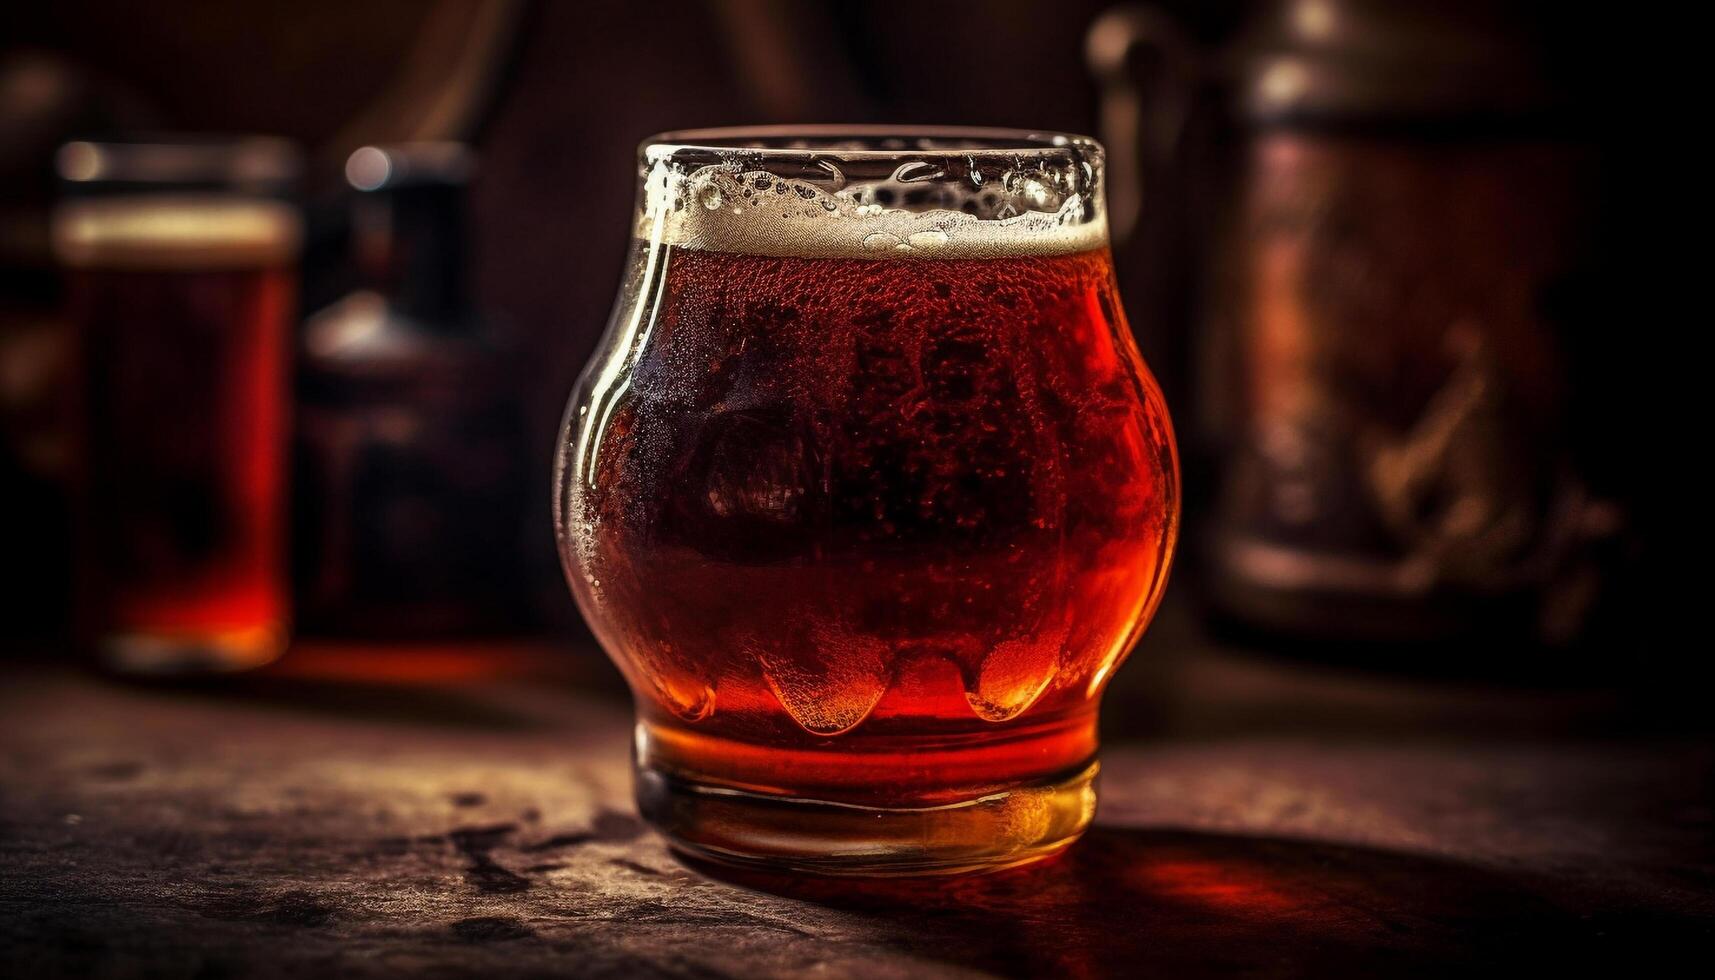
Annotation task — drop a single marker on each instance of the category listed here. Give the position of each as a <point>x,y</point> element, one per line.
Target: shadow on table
<point>371,702</point>
<point>1128,902</point>
<point>500,687</point>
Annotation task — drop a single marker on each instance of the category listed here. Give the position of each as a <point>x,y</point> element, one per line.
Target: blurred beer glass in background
<point>181,266</point>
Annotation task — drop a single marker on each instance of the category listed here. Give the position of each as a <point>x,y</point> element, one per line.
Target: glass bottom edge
<point>755,831</point>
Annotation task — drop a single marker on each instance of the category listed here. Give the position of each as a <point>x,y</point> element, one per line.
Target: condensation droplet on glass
<point>836,176</point>
<point>917,170</point>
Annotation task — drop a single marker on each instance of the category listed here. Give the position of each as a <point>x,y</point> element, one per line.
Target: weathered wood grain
<point>286,826</point>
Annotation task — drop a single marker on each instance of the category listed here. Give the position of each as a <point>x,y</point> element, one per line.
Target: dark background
<point>577,85</point>
<point>580,86</point>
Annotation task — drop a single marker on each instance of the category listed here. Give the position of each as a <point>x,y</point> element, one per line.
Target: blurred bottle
<point>1398,311</point>
<point>411,449</point>
<point>180,258</point>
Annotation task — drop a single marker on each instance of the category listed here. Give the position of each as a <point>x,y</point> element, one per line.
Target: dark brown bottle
<point>410,477</point>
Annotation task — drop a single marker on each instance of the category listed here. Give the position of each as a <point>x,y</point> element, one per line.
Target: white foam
<point>175,231</point>
<point>721,207</point>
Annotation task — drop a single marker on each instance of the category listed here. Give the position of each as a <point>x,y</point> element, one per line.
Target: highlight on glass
<point>868,492</point>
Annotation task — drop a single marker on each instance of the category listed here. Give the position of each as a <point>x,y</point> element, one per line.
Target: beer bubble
<point>928,239</point>
<point>1035,190</point>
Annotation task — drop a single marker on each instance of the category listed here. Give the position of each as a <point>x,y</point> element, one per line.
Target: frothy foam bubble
<point>722,208</point>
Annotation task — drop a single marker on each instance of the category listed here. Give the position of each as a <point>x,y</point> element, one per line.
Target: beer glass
<point>180,261</point>
<point>867,492</point>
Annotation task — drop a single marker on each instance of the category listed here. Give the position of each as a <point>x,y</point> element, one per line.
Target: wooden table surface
<point>465,810</point>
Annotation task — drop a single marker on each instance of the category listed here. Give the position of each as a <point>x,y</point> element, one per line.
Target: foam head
<point>177,203</point>
<point>175,231</point>
<point>872,194</point>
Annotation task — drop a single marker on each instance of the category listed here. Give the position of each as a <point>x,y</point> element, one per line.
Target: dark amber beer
<point>182,304</point>
<point>868,504</point>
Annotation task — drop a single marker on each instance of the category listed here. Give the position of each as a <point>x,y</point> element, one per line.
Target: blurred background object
<point>550,100</point>
<point>1371,251</point>
<point>1403,275</point>
<point>44,98</point>
<point>180,260</point>
<point>411,474</point>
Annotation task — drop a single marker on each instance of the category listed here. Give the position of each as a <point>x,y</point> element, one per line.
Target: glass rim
<point>872,191</point>
<point>863,141</point>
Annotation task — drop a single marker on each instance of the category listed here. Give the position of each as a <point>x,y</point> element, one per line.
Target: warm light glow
<point>80,162</point>
<point>175,231</point>
<point>368,168</point>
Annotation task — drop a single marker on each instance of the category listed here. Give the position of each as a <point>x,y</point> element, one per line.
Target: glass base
<point>753,830</point>
<point>191,654</point>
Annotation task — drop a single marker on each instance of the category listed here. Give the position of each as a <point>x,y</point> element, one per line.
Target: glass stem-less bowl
<point>867,491</point>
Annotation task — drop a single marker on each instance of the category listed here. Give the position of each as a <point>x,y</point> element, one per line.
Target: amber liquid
<point>873,532</point>
<point>182,405</point>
